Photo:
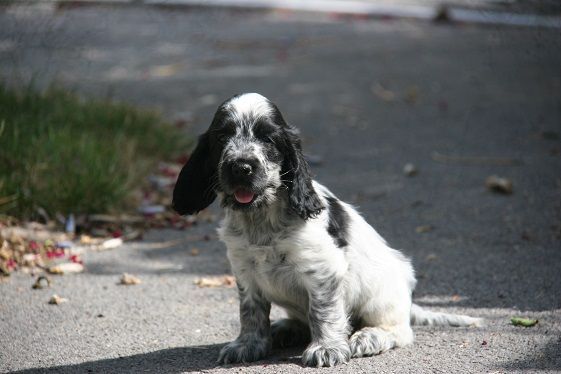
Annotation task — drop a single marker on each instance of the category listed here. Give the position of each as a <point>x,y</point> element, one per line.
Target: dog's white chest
<point>276,276</point>
<point>267,261</point>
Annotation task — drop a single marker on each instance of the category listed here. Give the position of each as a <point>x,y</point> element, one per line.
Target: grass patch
<point>68,155</point>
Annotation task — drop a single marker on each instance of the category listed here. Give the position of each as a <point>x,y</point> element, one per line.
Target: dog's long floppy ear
<point>194,187</point>
<point>302,197</point>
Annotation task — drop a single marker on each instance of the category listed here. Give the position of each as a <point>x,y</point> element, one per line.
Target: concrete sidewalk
<point>369,97</point>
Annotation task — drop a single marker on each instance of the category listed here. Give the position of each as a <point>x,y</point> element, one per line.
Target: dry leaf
<point>66,268</point>
<point>129,280</point>
<point>423,229</point>
<point>498,184</point>
<point>194,251</point>
<point>112,243</point>
<point>222,281</point>
<point>382,92</point>
<point>41,282</point>
<point>56,300</point>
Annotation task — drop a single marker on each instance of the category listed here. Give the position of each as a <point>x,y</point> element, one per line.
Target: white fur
<point>330,270</point>
<point>377,280</point>
<point>249,106</point>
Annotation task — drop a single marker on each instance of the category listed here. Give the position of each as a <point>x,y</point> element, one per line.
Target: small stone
<point>410,170</point>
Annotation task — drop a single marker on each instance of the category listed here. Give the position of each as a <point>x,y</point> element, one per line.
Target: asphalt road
<point>460,102</point>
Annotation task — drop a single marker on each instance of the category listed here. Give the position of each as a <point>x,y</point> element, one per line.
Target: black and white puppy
<point>291,242</point>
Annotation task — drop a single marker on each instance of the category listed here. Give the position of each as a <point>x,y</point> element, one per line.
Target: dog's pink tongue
<point>243,196</point>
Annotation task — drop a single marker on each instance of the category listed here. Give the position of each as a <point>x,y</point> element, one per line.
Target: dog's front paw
<point>247,348</point>
<point>365,342</point>
<point>326,355</point>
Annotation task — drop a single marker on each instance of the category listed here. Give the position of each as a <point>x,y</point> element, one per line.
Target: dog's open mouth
<point>243,196</point>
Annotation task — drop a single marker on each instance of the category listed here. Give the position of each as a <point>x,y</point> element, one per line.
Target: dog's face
<point>248,154</point>
<point>249,170</point>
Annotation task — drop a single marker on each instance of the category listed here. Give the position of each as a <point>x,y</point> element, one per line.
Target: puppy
<point>291,242</point>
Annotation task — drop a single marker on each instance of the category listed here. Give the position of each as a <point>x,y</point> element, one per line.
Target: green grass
<point>68,155</point>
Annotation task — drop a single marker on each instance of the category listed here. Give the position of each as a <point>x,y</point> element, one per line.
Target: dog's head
<point>250,155</point>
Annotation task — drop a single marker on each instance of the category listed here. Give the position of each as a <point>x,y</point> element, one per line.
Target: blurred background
<point>439,120</point>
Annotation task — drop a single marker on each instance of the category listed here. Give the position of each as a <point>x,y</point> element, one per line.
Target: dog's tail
<point>420,316</point>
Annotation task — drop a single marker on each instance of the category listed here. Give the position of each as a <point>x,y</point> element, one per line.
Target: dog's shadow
<point>172,360</point>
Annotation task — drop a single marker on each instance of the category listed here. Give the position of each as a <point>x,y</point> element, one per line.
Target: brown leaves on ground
<point>227,281</point>
<point>498,184</point>
<point>66,268</point>
<point>57,300</point>
<point>129,280</point>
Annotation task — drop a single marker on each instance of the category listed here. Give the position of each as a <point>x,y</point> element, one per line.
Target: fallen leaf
<point>194,251</point>
<point>498,184</point>
<point>129,280</point>
<point>222,281</point>
<point>66,268</point>
<point>526,322</point>
<point>422,229</point>
<point>56,300</point>
<point>112,243</point>
<point>382,92</point>
<point>41,282</point>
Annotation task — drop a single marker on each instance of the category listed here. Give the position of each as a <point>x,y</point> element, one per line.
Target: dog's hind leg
<point>290,333</point>
<point>370,341</point>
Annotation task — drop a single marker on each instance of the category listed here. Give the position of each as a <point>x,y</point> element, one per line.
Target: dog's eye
<point>268,139</point>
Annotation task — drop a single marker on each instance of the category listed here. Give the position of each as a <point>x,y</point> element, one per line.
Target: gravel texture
<point>460,103</point>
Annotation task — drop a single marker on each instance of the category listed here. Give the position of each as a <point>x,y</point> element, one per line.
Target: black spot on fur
<point>338,222</point>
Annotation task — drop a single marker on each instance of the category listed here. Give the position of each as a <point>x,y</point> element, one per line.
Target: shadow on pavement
<point>547,359</point>
<point>172,360</point>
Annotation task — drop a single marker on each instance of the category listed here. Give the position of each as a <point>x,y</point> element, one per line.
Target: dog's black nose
<point>241,169</point>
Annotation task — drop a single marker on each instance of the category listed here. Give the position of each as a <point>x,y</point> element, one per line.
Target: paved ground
<point>456,101</point>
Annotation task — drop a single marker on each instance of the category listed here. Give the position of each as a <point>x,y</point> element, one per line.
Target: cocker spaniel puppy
<point>291,242</point>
